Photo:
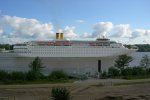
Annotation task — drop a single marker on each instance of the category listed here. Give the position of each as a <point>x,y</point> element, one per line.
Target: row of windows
<point>70,46</point>
<point>69,52</point>
<point>63,49</point>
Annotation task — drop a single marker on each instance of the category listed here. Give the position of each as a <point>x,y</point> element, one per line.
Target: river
<point>137,56</point>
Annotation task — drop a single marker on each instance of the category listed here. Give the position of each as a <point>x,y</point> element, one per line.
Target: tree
<point>36,67</point>
<point>6,46</point>
<point>145,62</point>
<point>122,61</point>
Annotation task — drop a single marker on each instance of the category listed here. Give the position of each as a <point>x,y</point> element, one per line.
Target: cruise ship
<point>60,47</point>
<point>71,56</point>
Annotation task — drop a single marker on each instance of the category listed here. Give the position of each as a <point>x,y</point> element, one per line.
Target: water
<point>71,65</point>
<point>137,56</point>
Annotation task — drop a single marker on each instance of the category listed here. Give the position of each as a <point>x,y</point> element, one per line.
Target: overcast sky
<point>126,21</point>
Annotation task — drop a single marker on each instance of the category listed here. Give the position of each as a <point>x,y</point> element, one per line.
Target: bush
<point>127,71</point>
<point>148,71</point>
<point>30,76</point>
<point>104,75</point>
<point>17,76</point>
<point>138,71</point>
<point>112,71</point>
<point>3,75</point>
<point>58,75</point>
<point>12,78</point>
<point>135,73</point>
<point>60,93</point>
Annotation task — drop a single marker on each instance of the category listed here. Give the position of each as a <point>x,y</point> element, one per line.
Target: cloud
<point>138,33</point>
<point>85,35</point>
<point>102,28</point>
<point>147,33</point>
<point>1,29</point>
<point>69,32</point>
<point>4,40</point>
<point>80,21</point>
<point>17,27</point>
<point>146,41</point>
<point>116,31</point>
<point>121,30</point>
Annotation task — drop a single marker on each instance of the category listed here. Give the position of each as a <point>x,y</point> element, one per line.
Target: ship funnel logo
<point>60,36</point>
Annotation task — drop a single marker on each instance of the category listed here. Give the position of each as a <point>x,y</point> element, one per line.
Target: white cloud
<point>5,40</point>
<point>147,33</point>
<point>85,35</point>
<point>80,21</point>
<point>121,30</point>
<point>1,29</point>
<point>69,32</point>
<point>102,28</point>
<point>138,33</point>
<point>146,41</point>
<point>17,27</point>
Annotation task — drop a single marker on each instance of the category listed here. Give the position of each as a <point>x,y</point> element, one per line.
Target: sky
<point>125,21</point>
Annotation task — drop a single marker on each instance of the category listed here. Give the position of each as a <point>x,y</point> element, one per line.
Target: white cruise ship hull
<point>70,52</point>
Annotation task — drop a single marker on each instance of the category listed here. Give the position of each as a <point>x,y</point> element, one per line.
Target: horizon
<point>123,21</point>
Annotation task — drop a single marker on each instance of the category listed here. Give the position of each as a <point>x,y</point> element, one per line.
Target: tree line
<point>6,46</point>
<point>121,68</point>
<point>141,47</point>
